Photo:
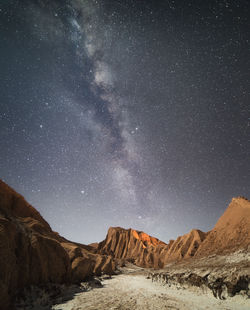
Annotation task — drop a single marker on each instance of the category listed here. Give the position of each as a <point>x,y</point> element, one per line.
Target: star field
<point>125,113</point>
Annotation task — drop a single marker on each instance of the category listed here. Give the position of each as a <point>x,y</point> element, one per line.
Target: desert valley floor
<point>132,290</point>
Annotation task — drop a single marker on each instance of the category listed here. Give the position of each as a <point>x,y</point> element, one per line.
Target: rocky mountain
<point>32,254</point>
<point>231,233</point>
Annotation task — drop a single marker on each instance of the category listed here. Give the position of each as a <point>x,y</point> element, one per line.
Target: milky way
<point>125,113</point>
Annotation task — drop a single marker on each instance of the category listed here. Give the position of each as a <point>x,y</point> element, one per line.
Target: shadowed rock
<point>32,254</point>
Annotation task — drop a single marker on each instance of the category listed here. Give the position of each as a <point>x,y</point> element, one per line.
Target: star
<point>134,110</point>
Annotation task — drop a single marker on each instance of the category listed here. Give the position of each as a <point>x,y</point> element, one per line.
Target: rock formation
<point>134,246</point>
<point>146,251</point>
<point>184,246</point>
<point>32,254</point>
<point>231,232</point>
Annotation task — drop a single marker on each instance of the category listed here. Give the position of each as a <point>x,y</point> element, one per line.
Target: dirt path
<point>130,292</point>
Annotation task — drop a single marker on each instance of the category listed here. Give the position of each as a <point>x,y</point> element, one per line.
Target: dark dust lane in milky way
<point>125,113</point>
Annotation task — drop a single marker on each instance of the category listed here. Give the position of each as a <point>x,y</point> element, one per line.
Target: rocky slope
<point>224,276</point>
<point>221,263</point>
<point>184,246</point>
<point>31,253</point>
<point>231,232</point>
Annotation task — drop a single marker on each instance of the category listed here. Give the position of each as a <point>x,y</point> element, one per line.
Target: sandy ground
<point>134,291</point>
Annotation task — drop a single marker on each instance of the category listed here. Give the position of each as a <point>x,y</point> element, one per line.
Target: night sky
<point>125,113</point>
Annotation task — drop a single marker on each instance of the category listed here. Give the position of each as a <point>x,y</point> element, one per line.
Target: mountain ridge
<point>31,253</point>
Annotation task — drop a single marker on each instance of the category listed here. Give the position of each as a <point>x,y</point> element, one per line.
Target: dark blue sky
<point>125,113</point>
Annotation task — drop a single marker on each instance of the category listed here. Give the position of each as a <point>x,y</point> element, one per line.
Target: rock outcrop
<point>184,246</point>
<point>223,276</point>
<point>146,251</point>
<point>231,232</point>
<point>134,246</point>
<point>32,254</point>
<point>221,288</point>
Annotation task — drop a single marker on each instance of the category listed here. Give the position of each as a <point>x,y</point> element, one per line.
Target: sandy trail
<point>129,292</point>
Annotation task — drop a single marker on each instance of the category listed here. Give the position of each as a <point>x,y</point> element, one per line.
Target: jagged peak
<point>240,199</point>
<point>137,234</point>
<point>197,233</point>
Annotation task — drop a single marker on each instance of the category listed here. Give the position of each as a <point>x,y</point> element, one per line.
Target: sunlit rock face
<point>32,254</point>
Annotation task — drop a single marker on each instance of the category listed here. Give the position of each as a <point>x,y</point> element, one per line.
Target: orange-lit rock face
<point>145,238</point>
<point>147,251</point>
<point>135,234</point>
<point>135,246</point>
